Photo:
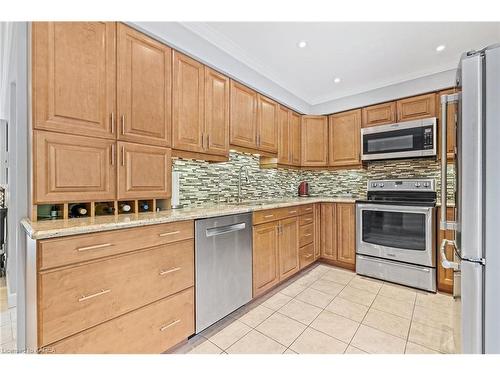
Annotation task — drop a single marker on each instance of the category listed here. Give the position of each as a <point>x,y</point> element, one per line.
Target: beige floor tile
<point>437,301</point>
<point>256,343</point>
<point>293,289</point>
<point>372,340</point>
<point>315,297</point>
<point>300,311</point>
<point>327,286</point>
<point>353,350</point>
<point>6,334</point>
<point>277,301</point>
<point>290,351</point>
<point>357,295</point>
<point>335,325</point>
<point>348,309</point>
<point>412,348</point>
<point>338,276</point>
<point>399,308</point>
<point>306,280</point>
<point>229,334</point>
<point>315,342</point>
<point>198,345</point>
<point>365,283</point>
<point>256,316</point>
<point>433,338</point>
<point>388,323</point>
<point>319,270</point>
<point>436,318</point>
<point>281,328</point>
<point>398,292</point>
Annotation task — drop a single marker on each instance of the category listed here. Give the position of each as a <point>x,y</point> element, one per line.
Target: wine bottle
<point>78,210</point>
<point>124,207</point>
<point>143,206</point>
<point>104,209</point>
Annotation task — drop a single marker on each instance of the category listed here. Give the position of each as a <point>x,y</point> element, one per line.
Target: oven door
<point>402,233</point>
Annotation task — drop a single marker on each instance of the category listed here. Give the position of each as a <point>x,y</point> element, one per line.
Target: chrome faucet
<point>245,168</point>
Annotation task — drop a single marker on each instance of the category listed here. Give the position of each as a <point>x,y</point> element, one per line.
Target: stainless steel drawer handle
<point>307,234</point>
<point>170,325</point>
<point>169,233</point>
<point>166,272</point>
<point>268,216</point>
<point>308,256</point>
<point>210,232</point>
<point>93,247</point>
<point>90,296</point>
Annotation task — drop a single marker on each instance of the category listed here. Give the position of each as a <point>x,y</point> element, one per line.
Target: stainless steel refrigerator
<point>476,260</point>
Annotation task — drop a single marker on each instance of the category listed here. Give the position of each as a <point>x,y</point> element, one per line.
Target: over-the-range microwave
<point>400,140</point>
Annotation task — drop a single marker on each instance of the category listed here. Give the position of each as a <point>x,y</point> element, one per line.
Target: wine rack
<point>53,211</point>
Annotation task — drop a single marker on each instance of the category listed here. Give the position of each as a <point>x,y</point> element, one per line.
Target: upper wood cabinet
<point>451,121</point>
<point>143,171</point>
<point>74,77</point>
<point>295,140</point>
<point>314,141</point>
<point>72,168</point>
<point>243,118</point>
<point>216,113</point>
<point>188,104</point>
<point>416,107</point>
<point>379,114</point>
<point>288,240</point>
<point>266,268</point>
<point>267,124</point>
<point>144,88</point>
<point>344,139</point>
<point>289,137</point>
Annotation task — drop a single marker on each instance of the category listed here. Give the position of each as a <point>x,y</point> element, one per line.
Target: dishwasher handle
<point>211,232</point>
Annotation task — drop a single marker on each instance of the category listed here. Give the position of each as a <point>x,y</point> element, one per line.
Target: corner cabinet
<point>289,137</point>
<point>345,139</point>
<point>314,146</point>
<point>144,88</point>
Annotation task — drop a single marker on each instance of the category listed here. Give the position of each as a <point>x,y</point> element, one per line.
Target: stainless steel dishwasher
<point>223,261</point>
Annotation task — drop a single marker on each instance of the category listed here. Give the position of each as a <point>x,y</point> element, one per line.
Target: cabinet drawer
<point>76,298</point>
<point>305,209</point>
<point>74,249</point>
<point>306,234</point>
<point>275,214</point>
<point>150,329</point>
<point>306,255</point>
<point>306,219</point>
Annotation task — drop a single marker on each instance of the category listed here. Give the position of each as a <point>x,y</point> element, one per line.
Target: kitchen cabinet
<point>288,242</point>
<point>314,146</point>
<point>144,88</point>
<point>72,168</point>
<point>338,234</point>
<point>317,230</point>
<point>450,125</point>
<point>379,114</point>
<point>267,124</point>
<point>266,267</point>
<point>243,117</point>
<point>289,137</point>
<point>344,139</point>
<point>416,107</point>
<point>188,104</point>
<point>295,137</point>
<point>74,77</point>
<point>143,171</point>
<point>445,276</point>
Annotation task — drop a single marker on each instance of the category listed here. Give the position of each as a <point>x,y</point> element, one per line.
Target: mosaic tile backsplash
<point>202,182</point>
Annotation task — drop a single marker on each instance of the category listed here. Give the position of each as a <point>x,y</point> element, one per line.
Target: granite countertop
<point>59,228</point>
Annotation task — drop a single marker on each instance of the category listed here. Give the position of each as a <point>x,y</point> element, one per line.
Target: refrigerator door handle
<point>444,261</point>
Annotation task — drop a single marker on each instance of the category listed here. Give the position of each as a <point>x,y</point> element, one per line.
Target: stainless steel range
<point>395,232</point>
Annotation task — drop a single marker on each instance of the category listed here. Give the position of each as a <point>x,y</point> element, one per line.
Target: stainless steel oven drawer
<point>401,273</point>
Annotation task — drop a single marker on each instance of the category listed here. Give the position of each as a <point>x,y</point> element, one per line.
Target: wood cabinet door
<point>451,121</point>
<point>445,276</point>
<point>143,171</point>
<point>317,230</point>
<point>72,168</point>
<point>346,233</point>
<point>284,149</point>
<point>314,141</point>
<point>345,138</point>
<point>216,112</point>
<point>74,77</point>
<point>416,107</point>
<point>188,120</point>
<point>379,114</point>
<point>265,257</point>
<point>243,117</point>
<point>328,222</point>
<point>267,124</point>
<point>144,88</point>
<point>288,238</point>
<point>295,132</point>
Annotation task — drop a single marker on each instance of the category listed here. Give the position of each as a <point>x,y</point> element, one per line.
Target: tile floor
<point>333,311</point>
<point>7,321</point>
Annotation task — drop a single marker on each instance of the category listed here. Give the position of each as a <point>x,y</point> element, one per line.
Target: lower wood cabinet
<point>266,268</point>
<point>288,244</point>
<point>338,234</point>
<point>445,276</point>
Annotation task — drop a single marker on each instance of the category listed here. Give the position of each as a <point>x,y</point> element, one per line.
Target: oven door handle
<point>395,208</point>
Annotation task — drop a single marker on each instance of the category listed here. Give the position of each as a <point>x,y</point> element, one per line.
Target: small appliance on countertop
<point>395,232</point>
<point>303,189</point>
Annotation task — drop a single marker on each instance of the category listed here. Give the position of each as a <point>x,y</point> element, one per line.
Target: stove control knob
<point>426,184</point>
<point>417,184</point>
<point>381,184</point>
<point>374,184</point>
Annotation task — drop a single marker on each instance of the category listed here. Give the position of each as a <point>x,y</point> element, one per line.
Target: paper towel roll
<point>175,189</point>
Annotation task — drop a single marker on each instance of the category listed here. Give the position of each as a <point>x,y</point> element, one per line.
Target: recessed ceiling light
<point>440,48</point>
<point>302,44</point>
<point>336,80</point>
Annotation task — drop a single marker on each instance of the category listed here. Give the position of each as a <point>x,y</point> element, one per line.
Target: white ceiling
<point>366,56</point>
